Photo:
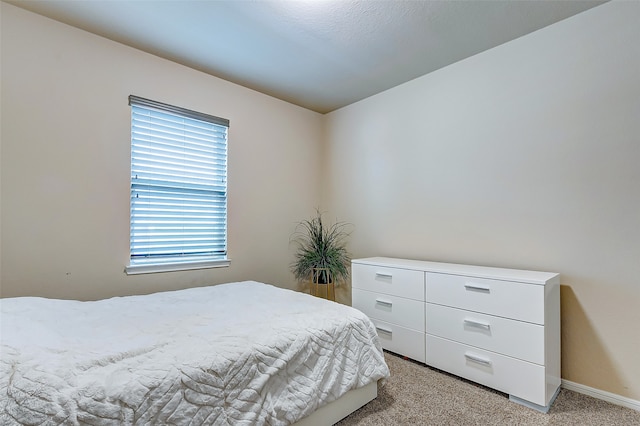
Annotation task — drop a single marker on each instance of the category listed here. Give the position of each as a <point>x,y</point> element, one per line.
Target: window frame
<point>164,265</point>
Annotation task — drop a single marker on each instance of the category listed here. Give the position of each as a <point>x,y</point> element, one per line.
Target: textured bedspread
<point>241,353</point>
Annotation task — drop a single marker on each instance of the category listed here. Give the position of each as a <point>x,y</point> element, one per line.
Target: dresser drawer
<point>401,340</point>
<point>392,309</point>
<point>507,299</point>
<point>517,339</point>
<point>394,281</point>
<point>515,377</point>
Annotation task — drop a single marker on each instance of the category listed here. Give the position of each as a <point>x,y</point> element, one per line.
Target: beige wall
<point>65,164</point>
<point>525,156</point>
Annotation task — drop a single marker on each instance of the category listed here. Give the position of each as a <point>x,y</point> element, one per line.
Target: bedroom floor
<point>419,395</point>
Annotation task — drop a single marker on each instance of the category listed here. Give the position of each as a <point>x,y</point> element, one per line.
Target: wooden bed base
<point>341,407</point>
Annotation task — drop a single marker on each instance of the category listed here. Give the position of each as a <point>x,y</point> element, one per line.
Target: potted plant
<point>322,258</point>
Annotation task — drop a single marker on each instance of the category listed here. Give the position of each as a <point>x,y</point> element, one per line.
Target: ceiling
<point>319,54</point>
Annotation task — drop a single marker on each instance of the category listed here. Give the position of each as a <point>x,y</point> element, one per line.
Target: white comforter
<point>241,353</point>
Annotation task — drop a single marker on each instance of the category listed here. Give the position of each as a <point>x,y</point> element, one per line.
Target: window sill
<point>173,267</point>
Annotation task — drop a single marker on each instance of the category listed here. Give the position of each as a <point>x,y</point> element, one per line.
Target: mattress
<point>230,354</point>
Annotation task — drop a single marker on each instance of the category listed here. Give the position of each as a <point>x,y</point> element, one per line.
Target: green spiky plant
<point>322,250</point>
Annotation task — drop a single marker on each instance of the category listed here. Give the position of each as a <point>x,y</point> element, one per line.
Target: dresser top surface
<point>519,275</point>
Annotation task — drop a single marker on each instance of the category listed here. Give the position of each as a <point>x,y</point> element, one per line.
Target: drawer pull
<point>381,275</point>
<point>384,330</point>
<point>475,323</point>
<point>477,287</point>
<point>478,359</point>
<point>384,302</point>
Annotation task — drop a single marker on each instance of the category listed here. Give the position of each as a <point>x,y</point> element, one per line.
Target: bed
<point>239,353</point>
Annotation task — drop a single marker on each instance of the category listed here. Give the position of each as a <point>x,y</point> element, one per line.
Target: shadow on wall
<point>585,359</point>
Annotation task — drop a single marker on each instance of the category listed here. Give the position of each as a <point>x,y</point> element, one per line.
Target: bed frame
<point>341,407</point>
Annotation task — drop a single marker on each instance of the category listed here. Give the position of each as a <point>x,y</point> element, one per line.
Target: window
<point>178,188</point>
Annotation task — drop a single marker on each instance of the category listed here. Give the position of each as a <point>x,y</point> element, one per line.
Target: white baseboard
<point>603,395</point>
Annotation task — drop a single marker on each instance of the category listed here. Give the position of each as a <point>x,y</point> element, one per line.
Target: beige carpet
<point>419,395</point>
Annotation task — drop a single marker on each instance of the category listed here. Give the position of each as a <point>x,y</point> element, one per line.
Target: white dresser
<point>497,327</point>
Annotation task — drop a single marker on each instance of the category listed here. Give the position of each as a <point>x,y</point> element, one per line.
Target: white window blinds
<point>178,185</point>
